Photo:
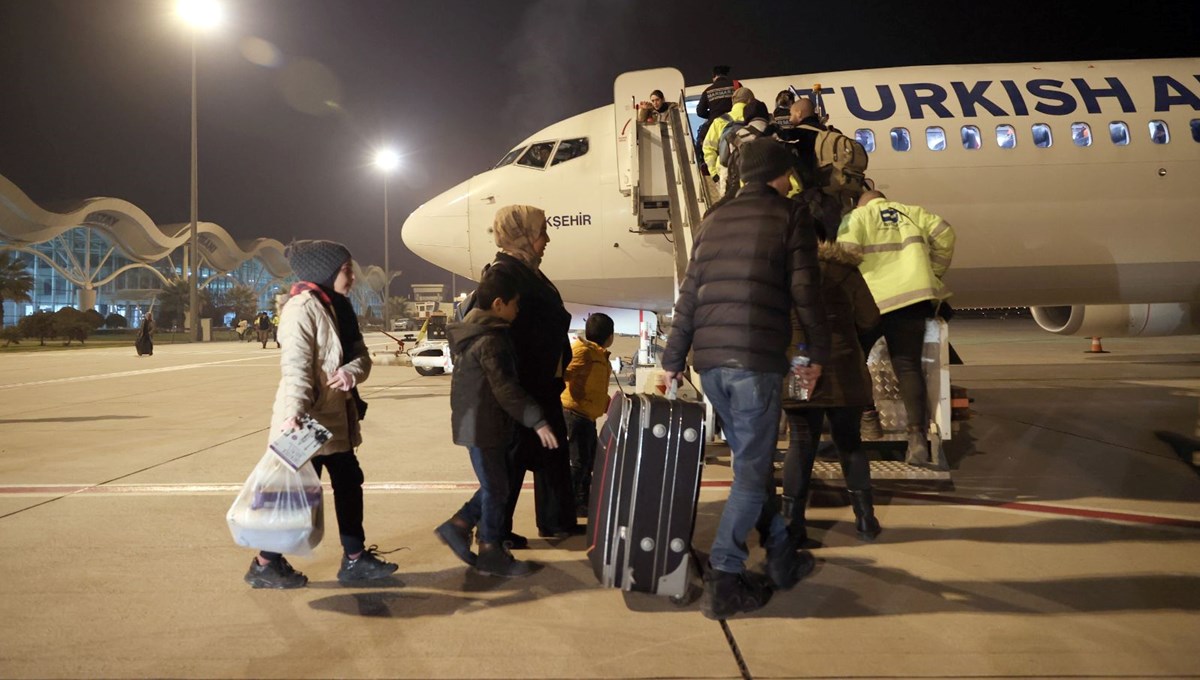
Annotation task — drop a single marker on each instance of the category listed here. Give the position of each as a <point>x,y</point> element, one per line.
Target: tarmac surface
<point>1066,544</point>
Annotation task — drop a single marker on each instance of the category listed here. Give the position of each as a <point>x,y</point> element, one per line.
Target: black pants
<point>904,330</point>
<point>581,440</point>
<point>700,135</point>
<point>552,493</point>
<point>805,435</point>
<point>346,475</point>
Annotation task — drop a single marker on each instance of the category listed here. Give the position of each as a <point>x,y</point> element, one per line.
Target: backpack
<point>732,139</point>
<point>841,165</point>
<point>725,144</point>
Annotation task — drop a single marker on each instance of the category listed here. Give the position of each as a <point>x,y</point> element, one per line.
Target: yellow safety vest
<point>713,138</point>
<point>906,251</point>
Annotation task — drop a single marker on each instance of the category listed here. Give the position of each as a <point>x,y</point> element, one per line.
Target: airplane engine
<point>1120,321</point>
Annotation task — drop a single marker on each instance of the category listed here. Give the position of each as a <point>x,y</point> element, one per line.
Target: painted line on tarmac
<point>124,374</point>
<point>435,486</point>
<point>1046,509</point>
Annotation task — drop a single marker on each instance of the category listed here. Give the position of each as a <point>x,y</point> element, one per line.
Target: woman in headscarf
<point>539,334</point>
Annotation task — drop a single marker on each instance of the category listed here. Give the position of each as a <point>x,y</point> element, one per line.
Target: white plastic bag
<point>279,509</point>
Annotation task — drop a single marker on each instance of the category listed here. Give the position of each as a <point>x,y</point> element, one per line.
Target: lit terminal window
<point>935,138</point>
<point>1118,132</point>
<point>1042,138</point>
<point>1006,137</point>
<point>866,138</point>
<point>1081,134</point>
<point>901,141</point>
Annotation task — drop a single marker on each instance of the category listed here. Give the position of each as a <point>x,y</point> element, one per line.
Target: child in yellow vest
<point>585,399</point>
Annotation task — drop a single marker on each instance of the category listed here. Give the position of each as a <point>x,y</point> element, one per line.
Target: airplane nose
<point>438,231</point>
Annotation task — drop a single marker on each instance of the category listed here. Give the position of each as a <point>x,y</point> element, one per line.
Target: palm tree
<point>15,281</point>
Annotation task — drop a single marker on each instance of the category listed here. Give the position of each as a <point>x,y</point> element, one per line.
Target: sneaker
<point>726,595</point>
<point>870,426</point>
<point>786,570</point>
<point>458,539</point>
<point>274,574</point>
<point>368,567</point>
<point>496,560</point>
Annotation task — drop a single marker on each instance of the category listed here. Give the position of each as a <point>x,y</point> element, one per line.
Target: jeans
<point>581,441</point>
<point>485,510</point>
<point>748,404</point>
<point>904,330</point>
<point>346,476</point>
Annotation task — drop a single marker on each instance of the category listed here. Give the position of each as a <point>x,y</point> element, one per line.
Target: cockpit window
<point>509,157</point>
<point>570,148</point>
<point>537,155</point>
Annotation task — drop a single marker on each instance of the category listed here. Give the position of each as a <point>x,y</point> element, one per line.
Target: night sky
<point>95,93</point>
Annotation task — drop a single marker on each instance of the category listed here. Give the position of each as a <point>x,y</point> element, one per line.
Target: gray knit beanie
<point>317,261</point>
<point>762,160</point>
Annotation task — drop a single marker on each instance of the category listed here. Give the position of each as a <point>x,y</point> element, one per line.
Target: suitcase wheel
<point>689,596</point>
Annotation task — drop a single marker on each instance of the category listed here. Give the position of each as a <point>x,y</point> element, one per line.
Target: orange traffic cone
<point>1096,348</point>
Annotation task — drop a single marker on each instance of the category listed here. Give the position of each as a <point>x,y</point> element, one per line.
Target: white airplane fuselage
<point>1103,224</point>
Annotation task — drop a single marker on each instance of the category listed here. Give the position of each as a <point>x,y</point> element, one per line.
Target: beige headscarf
<point>516,228</point>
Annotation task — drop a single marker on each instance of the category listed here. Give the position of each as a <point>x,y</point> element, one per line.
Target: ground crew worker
<point>781,118</point>
<point>906,251</point>
<point>716,99</point>
<point>712,138</point>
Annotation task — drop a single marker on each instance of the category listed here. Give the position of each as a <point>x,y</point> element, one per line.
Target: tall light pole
<point>386,161</point>
<point>199,15</point>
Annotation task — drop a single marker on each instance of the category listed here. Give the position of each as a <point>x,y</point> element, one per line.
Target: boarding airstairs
<point>657,170</point>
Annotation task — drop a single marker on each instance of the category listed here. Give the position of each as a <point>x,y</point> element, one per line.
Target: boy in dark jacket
<point>485,403</point>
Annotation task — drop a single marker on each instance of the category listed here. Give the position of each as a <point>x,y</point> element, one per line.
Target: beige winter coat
<point>311,352</point>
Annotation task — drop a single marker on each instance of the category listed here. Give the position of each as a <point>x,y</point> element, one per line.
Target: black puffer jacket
<point>852,312</point>
<point>485,396</point>
<point>753,262</point>
<point>539,333</point>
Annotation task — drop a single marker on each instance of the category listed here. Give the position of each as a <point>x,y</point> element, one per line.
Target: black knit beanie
<point>317,261</point>
<point>762,160</point>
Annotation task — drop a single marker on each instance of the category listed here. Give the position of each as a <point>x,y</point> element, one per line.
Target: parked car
<point>432,357</point>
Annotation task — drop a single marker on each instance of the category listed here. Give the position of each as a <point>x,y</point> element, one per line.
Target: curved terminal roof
<point>131,230</point>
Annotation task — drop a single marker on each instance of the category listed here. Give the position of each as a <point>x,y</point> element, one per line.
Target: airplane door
<point>629,89</point>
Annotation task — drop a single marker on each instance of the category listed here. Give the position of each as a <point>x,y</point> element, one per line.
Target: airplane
<point>1072,187</point>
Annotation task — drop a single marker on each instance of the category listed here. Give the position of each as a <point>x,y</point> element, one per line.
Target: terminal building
<point>107,254</point>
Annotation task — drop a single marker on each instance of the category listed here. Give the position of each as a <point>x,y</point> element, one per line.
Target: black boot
<point>865,523</point>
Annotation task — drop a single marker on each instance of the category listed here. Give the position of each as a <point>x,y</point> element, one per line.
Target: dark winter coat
<point>539,333</point>
<point>851,309</point>
<point>485,397</point>
<point>717,98</point>
<point>754,261</point>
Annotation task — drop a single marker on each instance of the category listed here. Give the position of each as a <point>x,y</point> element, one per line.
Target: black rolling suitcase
<point>645,485</point>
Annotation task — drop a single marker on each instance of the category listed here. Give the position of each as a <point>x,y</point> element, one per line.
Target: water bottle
<point>795,388</point>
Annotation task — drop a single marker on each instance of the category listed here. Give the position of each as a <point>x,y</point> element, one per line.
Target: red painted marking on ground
<point>1050,509</point>
<point>1042,508</point>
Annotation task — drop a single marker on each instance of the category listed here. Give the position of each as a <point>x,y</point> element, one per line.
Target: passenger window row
<point>536,155</point>
<point>1006,135</point>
